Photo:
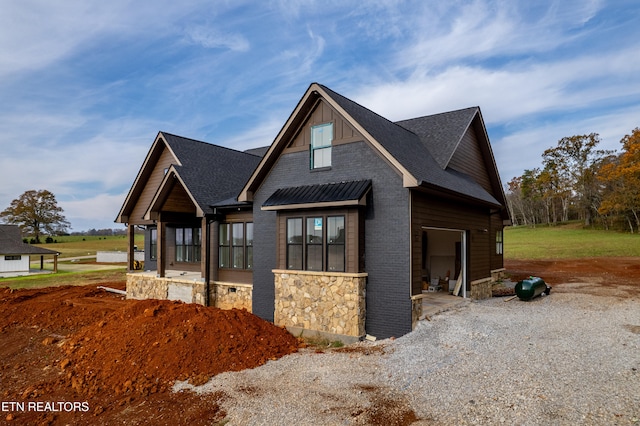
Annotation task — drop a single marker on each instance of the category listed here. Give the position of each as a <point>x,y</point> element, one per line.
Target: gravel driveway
<point>569,358</point>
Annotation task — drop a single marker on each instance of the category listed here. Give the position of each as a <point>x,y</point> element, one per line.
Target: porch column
<point>55,263</point>
<point>130,246</point>
<point>204,250</point>
<point>162,247</point>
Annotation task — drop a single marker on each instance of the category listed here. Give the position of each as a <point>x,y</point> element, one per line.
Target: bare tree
<point>37,213</point>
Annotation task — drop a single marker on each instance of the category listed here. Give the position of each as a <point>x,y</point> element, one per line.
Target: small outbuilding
<point>15,255</point>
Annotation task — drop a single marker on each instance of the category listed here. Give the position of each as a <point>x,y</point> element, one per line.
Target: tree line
<point>579,181</point>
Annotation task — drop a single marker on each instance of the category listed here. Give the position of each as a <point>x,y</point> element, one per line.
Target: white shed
<point>15,255</point>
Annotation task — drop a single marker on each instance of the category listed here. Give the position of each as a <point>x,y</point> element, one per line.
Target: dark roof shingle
<point>417,143</point>
<point>11,242</point>
<point>211,173</point>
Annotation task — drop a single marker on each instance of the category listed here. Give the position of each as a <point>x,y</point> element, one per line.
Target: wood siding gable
<point>469,159</point>
<point>323,113</point>
<point>151,174</point>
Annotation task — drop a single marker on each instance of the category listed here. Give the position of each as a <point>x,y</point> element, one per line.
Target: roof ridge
<point>364,107</point>
<point>209,143</point>
<point>476,107</point>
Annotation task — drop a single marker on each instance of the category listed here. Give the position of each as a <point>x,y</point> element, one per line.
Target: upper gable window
<point>321,137</point>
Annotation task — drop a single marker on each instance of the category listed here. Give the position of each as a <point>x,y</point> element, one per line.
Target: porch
<point>437,302</point>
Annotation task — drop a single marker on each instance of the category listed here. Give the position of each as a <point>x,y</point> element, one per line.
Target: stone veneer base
<point>332,304</point>
<point>222,295</point>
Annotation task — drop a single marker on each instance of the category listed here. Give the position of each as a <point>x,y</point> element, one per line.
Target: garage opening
<point>444,260</point>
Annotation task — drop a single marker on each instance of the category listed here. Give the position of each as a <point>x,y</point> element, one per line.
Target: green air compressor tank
<point>531,287</point>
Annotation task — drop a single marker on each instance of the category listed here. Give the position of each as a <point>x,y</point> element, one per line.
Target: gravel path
<point>569,358</point>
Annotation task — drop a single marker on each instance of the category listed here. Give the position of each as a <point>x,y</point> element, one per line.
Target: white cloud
<point>512,92</point>
<point>211,38</point>
<point>257,136</point>
<point>36,33</point>
<point>98,212</point>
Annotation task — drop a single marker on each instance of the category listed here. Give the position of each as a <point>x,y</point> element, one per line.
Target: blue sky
<point>86,86</point>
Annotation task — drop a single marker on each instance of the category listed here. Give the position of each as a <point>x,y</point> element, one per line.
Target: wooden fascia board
<point>408,180</point>
<point>123,215</point>
<point>495,175</point>
<point>160,196</point>
<point>178,162</point>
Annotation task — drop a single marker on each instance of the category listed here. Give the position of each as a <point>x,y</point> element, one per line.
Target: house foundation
<point>141,286</point>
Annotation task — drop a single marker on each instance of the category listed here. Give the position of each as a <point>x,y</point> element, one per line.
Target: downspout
<point>410,243</point>
<point>207,266</point>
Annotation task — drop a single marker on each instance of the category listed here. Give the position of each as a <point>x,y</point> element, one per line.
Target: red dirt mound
<point>60,310</point>
<point>147,345</point>
<point>83,344</point>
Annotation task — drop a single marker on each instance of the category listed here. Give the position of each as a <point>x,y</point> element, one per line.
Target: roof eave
<point>449,193</point>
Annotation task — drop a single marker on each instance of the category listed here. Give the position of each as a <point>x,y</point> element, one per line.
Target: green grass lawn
<point>65,278</point>
<point>78,245</point>
<point>567,241</point>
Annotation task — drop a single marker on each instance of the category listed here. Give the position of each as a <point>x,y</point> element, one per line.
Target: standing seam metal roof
<point>322,193</point>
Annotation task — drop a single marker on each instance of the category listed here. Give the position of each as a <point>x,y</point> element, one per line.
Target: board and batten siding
<point>432,211</point>
<point>343,132</point>
<point>151,186</point>
<point>178,201</point>
<point>469,159</point>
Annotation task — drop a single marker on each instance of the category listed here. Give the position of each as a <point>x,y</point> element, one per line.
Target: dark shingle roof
<point>417,143</point>
<point>321,193</point>
<point>261,151</point>
<point>11,242</point>
<point>441,133</point>
<point>211,173</point>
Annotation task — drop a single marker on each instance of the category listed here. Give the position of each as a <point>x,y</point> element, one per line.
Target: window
<point>335,243</point>
<point>188,244</point>
<point>294,243</point>
<point>153,244</point>
<point>321,137</point>
<point>499,242</point>
<point>13,257</point>
<point>224,245</point>
<point>323,244</point>
<point>314,243</point>
<point>249,242</point>
<point>235,245</point>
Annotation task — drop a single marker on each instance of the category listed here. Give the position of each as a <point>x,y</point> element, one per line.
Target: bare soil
<point>117,359</point>
<point>606,276</point>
